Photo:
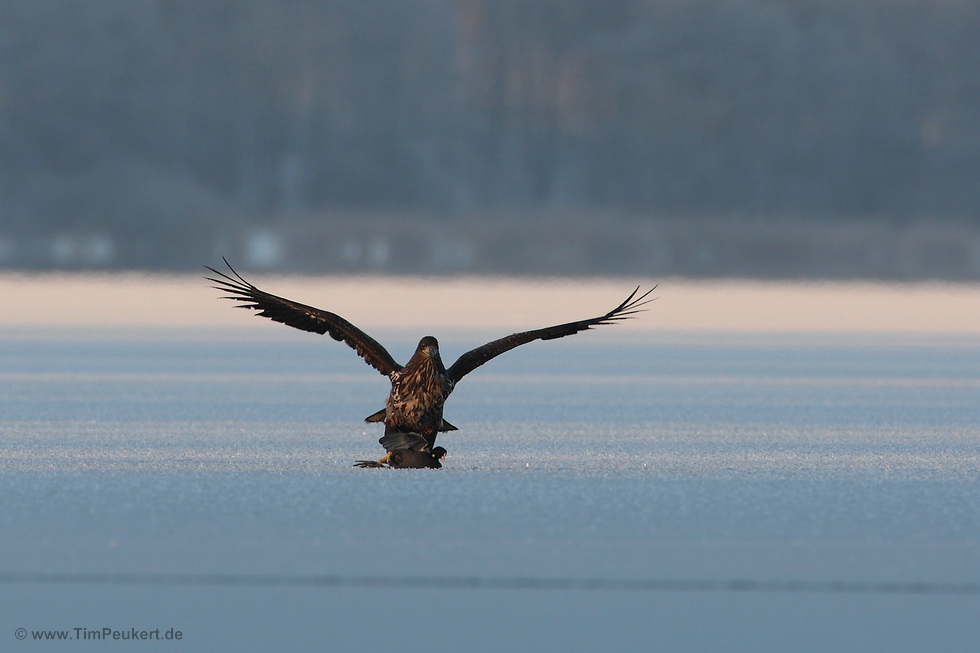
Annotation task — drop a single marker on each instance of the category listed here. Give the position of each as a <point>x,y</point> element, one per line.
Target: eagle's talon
<point>374,464</point>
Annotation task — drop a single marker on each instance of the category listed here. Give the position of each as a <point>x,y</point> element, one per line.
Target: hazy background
<point>706,138</point>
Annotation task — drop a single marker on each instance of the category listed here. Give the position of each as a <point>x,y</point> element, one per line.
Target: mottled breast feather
<point>418,394</point>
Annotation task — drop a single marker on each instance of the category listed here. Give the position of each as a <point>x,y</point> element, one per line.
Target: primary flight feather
<point>419,389</point>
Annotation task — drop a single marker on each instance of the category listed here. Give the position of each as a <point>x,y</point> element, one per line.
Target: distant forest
<point>702,137</point>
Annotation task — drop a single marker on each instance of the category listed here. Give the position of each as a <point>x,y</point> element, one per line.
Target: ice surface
<point>137,469</point>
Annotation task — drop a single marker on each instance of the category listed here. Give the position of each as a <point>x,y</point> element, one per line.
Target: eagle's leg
<point>370,464</point>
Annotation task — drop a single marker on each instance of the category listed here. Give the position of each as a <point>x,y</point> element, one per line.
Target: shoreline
<point>186,302</point>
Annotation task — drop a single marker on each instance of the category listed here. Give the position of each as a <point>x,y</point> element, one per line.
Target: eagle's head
<point>428,346</point>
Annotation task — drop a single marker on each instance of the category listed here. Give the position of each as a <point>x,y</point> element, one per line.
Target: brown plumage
<point>419,389</point>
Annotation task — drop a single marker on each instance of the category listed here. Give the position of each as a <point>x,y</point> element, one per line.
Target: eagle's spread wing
<point>477,357</point>
<point>304,317</point>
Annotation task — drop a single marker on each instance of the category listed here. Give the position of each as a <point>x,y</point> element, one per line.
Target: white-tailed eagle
<point>413,413</point>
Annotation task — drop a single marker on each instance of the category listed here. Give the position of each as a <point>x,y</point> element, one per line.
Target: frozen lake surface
<point>604,492</point>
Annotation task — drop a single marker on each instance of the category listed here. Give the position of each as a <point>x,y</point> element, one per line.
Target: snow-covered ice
<point>204,483</point>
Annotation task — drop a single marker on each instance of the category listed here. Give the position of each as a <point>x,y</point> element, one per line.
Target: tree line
<point>157,119</point>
